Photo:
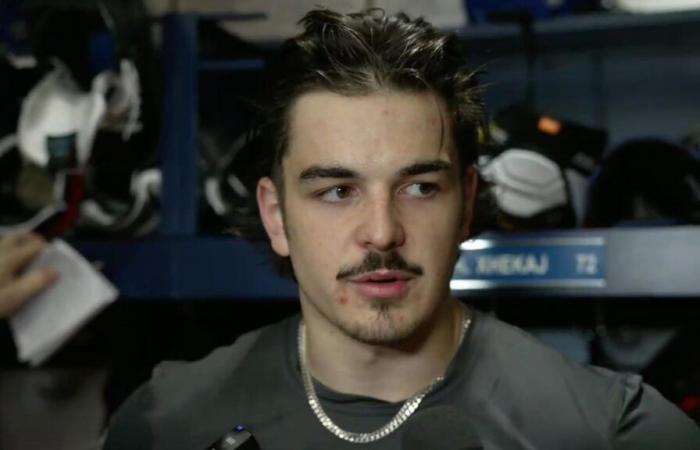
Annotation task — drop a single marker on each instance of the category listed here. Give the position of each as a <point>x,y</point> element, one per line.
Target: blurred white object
<point>49,320</point>
<point>654,6</point>
<point>56,108</point>
<point>283,15</point>
<point>526,183</point>
<point>141,215</point>
<point>123,101</point>
<point>444,14</point>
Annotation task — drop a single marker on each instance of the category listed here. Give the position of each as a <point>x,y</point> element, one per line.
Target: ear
<point>269,204</point>
<point>469,185</point>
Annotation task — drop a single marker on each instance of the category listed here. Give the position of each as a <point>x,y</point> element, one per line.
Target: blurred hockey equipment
<point>58,121</point>
<point>646,181</point>
<point>134,216</point>
<point>230,181</point>
<point>94,115</point>
<point>539,167</point>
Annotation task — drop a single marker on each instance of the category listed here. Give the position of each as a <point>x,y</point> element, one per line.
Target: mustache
<point>374,261</point>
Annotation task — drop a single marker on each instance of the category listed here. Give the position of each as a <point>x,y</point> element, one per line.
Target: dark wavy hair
<point>359,54</point>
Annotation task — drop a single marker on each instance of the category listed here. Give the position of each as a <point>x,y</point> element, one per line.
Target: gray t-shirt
<point>518,394</point>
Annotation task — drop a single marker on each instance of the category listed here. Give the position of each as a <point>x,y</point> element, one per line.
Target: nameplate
<point>533,262</point>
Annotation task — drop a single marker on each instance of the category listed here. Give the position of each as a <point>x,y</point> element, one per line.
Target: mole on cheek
<point>343,300</point>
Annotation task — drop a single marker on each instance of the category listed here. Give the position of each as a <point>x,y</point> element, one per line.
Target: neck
<point>347,365</point>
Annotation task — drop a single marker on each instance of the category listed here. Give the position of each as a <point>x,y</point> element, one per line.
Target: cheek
<point>314,245</point>
<point>318,234</point>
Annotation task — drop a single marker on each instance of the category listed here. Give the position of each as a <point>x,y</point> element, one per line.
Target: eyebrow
<point>421,167</point>
<point>315,172</point>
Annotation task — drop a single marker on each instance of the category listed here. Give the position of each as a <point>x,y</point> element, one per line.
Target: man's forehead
<point>335,129</point>
<point>316,104</point>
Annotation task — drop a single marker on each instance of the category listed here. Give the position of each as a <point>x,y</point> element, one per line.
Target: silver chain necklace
<point>408,407</point>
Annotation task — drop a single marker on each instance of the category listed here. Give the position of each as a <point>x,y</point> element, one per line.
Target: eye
<point>336,194</point>
<point>421,190</point>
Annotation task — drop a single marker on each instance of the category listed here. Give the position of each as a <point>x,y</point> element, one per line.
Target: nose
<point>381,228</point>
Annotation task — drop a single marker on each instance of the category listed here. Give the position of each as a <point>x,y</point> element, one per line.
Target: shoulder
<point>646,420</point>
<point>582,399</point>
<point>220,364</point>
<point>521,358</point>
<point>179,391</point>
<point>523,361</point>
<point>508,346</point>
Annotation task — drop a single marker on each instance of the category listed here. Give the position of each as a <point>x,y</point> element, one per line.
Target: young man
<point>371,136</point>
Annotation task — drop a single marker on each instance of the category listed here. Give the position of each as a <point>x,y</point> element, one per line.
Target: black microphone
<point>439,428</point>
<point>237,439</point>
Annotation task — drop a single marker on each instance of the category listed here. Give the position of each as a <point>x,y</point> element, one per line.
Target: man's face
<point>373,210</point>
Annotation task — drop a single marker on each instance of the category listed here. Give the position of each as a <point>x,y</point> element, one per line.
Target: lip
<point>383,284</point>
<point>382,275</point>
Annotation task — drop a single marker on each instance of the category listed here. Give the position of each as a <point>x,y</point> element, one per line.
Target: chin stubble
<point>381,329</point>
